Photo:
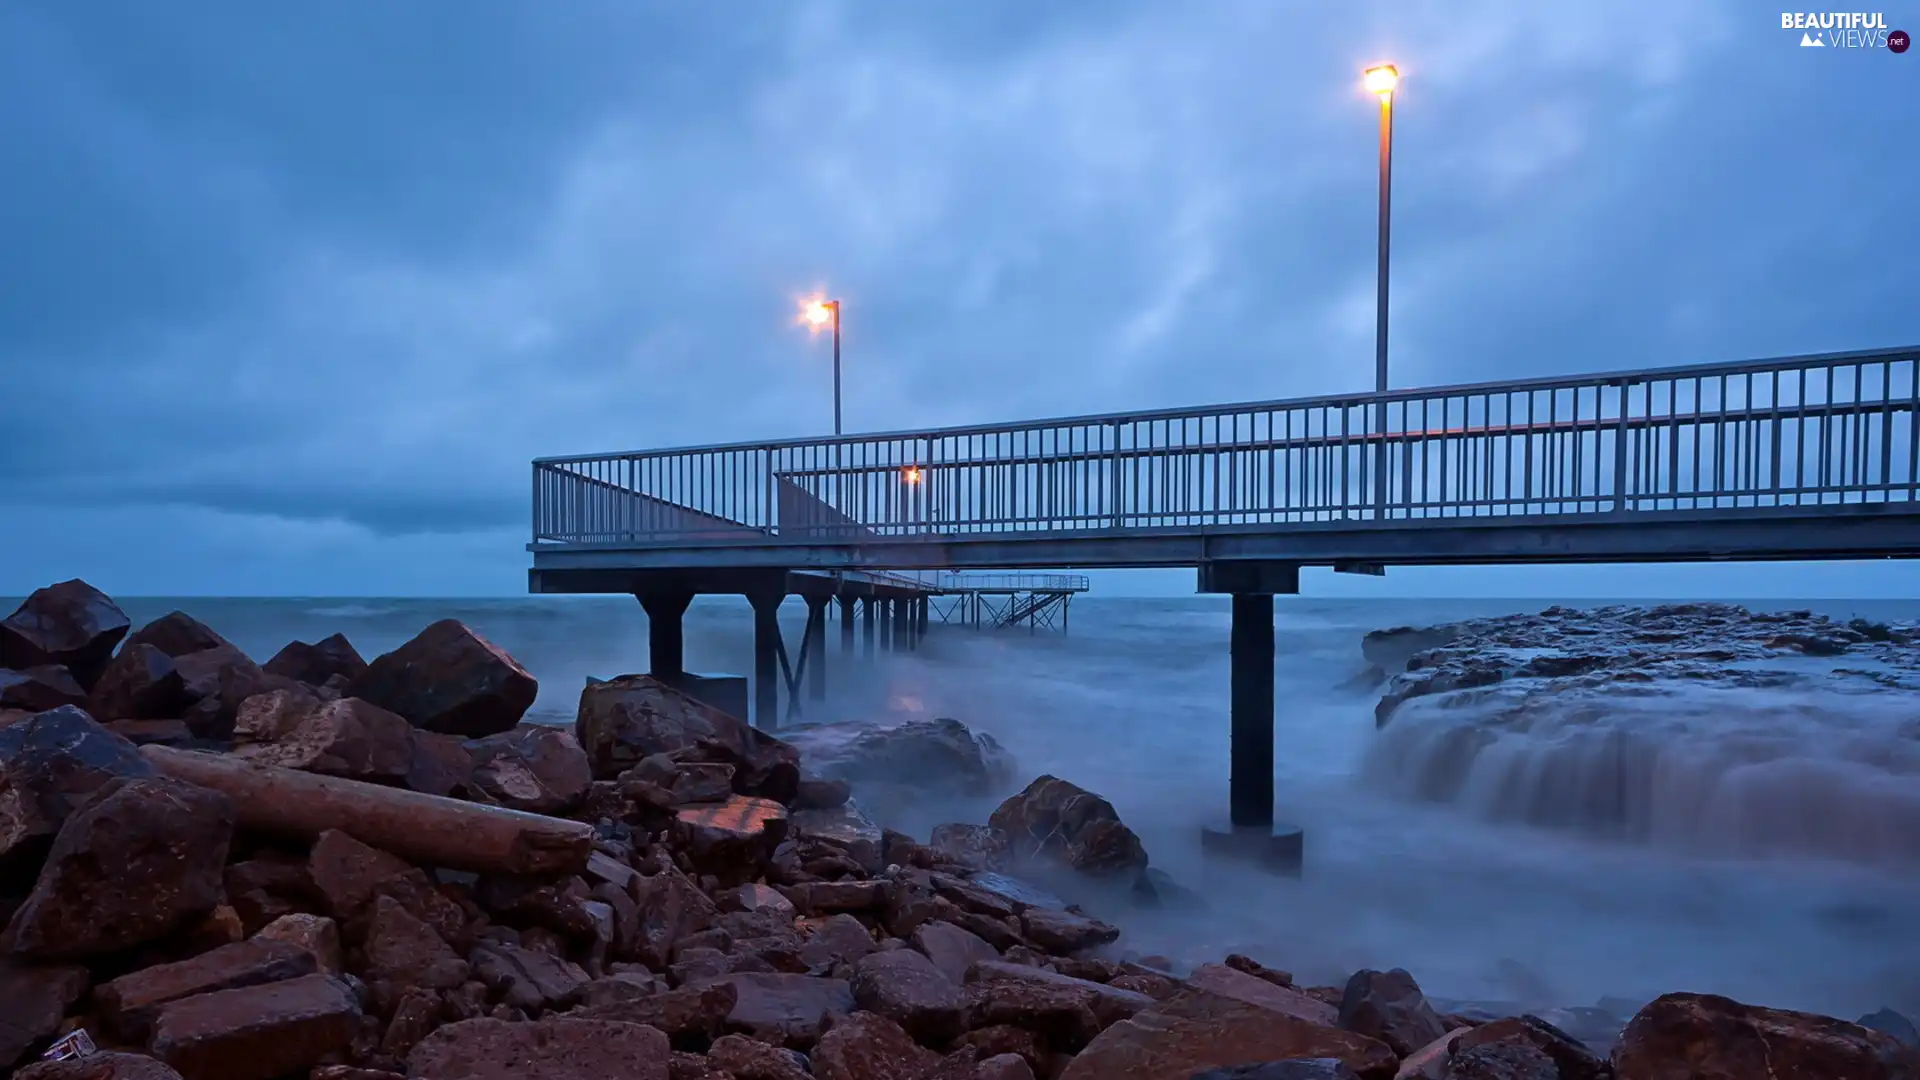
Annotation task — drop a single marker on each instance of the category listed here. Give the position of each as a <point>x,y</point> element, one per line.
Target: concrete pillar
<point>897,618</point>
<point>817,647</point>
<point>926,603</point>
<point>1250,783</point>
<point>666,636</point>
<point>866,620</point>
<point>766,659</point>
<point>846,625</point>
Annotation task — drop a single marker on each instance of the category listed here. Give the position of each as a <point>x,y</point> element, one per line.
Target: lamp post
<point>1381,81</point>
<point>820,313</point>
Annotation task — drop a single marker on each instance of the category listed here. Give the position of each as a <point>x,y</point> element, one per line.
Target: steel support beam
<point>666,635</point>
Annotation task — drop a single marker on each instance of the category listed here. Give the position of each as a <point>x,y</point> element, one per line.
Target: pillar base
<point>1278,848</point>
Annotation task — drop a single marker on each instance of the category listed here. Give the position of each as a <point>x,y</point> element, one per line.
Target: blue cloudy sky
<point>292,292</point>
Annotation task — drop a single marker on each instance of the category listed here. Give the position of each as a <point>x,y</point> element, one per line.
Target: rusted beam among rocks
<point>424,828</point>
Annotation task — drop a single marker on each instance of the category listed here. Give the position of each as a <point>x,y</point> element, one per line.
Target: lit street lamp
<point>1382,80</point>
<point>819,313</point>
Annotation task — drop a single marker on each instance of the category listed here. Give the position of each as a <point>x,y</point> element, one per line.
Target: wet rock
<point>821,793</point>
<point>451,680</point>
<point>939,755</point>
<point>846,827</point>
<point>1388,1005</point>
<point>347,737</point>
<point>38,689</point>
<point>1065,932</point>
<point>177,634</point>
<point>625,720</point>
<point>217,681</point>
<point>71,624</point>
<point>49,763</point>
<point>977,847</point>
<point>751,1059</point>
<point>1236,984</point>
<point>867,1046</point>
<point>1057,820</point>
<point>756,897</point>
<point>556,1048</point>
<point>904,986</point>
<point>33,1000</point>
<point>690,1015</point>
<point>1708,1037</point>
<point>1066,1010</point>
<point>141,683</point>
<point>137,861</point>
<point>316,663</point>
<point>316,934</point>
<point>259,1032</point>
<point>1197,1030</point>
<point>1296,1069</point>
<point>783,1009</point>
<point>671,907</point>
<point>836,897</point>
<point>733,839</point>
<point>107,1065</point>
<point>841,939</point>
<point>527,980</point>
<point>953,950</point>
<point>541,770</point>
<point>130,1002</point>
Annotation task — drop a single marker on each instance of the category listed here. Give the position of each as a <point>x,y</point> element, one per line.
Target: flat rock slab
<point>1227,982</point>
<point>556,1048</point>
<point>258,1032</point>
<point>1197,1030</point>
<point>130,1002</point>
<point>787,1010</point>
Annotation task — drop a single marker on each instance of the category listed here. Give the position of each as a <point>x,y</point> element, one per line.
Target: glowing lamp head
<point>911,474</point>
<point>818,313</point>
<point>1382,80</point>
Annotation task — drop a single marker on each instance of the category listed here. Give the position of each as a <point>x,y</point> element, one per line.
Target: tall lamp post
<point>820,313</point>
<point>1381,81</point>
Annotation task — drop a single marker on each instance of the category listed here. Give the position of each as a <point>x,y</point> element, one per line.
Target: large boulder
<point>1707,1037</point>
<point>177,634</point>
<point>137,861</point>
<point>141,683</point>
<point>451,680</point>
<point>315,663</point>
<point>1195,1031</point>
<point>72,624</point>
<point>1057,820</point>
<point>626,720</point>
<point>345,737</point>
<point>217,682</point>
<point>1389,1006</point>
<point>538,769</point>
<point>49,764</point>
<point>940,754</point>
<point>38,689</point>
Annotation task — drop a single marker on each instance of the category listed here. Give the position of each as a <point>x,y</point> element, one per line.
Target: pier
<point>1793,458</point>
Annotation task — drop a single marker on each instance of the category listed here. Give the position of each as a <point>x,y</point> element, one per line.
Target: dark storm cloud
<point>359,262</point>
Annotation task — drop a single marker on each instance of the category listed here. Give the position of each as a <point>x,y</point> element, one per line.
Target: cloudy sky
<point>290,293</point>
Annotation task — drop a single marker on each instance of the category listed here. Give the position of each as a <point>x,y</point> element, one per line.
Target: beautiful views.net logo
<point>1845,30</point>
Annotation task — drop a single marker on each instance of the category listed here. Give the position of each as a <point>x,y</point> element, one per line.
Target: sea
<point>1479,906</point>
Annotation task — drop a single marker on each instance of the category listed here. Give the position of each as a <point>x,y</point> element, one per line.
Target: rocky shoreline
<point>217,869</point>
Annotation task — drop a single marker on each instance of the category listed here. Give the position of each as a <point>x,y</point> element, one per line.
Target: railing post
<point>1113,481</point>
<point>1620,435</point>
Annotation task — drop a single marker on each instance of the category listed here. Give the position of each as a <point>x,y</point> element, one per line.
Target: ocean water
<point>1480,902</point>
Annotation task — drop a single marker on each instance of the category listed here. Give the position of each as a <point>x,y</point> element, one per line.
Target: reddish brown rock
<point>72,624</point>
<point>441,765</point>
<point>733,839</point>
<point>130,1002</point>
<point>1061,821</point>
<point>316,934</point>
<point>557,1048</point>
<point>1003,1067</point>
<point>33,999</point>
<point>177,634</point>
<point>1388,1005</point>
<point>315,663</point>
<point>49,764</point>
<point>141,683</point>
<point>541,770</point>
<point>404,951</point>
<point>786,1010</point>
<point>690,1015</point>
<point>867,1046</point>
<point>259,1032</point>
<point>953,950</point>
<point>750,1059</point>
<point>217,682</point>
<point>671,907</point>
<point>346,873</point>
<point>904,986</point>
<point>624,720</point>
<point>996,1040</point>
<point>451,680</point>
<point>107,1065</point>
<point>38,689</point>
<point>1706,1037</point>
<point>346,737</point>
<point>1247,965</point>
<point>834,897</point>
<point>1197,1030</point>
<point>1233,983</point>
<point>1065,932</point>
<point>416,1014</point>
<point>137,861</point>
<point>530,981</point>
<point>835,941</point>
<point>1108,1004</point>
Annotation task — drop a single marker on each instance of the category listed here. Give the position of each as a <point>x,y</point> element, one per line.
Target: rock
<point>820,793</point>
<point>178,634</point>
<point>173,733</point>
<point>258,1032</point>
<point>316,663</point>
<point>441,766</point>
<point>671,907</point>
<point>527,980</point>
<point>836,897</point>
<point>841,939</point>
<point>1003,1067</point>
<point>33,1000</point>
<point>451,680</point>
<point>785,1010</point>
<point>108,1065</point>
<point>732,839</point>
<point>403,950</point>
<point>217,681</point>
<point>130,1002</point>
<point>977,847</point>
<point>756,897</point>
<point>751,1059</point>
<point>556,1048</point>
<point>1197,1030</point>
<point>1058,820</point>
<point>905,987</point>
<point>1237,984</point>
<point>1567,1058</point>
<point>1430,1061</point>
<point>1247,965</point>
<point>49,763</point>
<point>142,683</point>
<point>937,755</point>
<point>846,827</point>
<point>1067,1011</point>
<point>954,951</point>
<point>347,737</point>
<point>1888,1022</point>
<point>71,624</point>
<point>1065,932</point>
<point>625,720</point>
<point>316,934</point>
<point>416,1014</point>
<point>1707,1037</point>
<point>690,1015</point>
<point>1295,1069</point>
<point>38,689</point>
<point>138,860</point>
<point>867,1046</point>
<point>346,873</point>
<point>541,770</point>
<point>1502,1061</point>
<point>1390,1007</point>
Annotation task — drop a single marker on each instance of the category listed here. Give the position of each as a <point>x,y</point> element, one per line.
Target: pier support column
<point>866,631</point>
<point>766,659</point>
<point>666,634</point>
<point>1250,831</point>
<point>897,617</point>
<point>817,647</point>
<point>925,602</point>
<point>846,626</point>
